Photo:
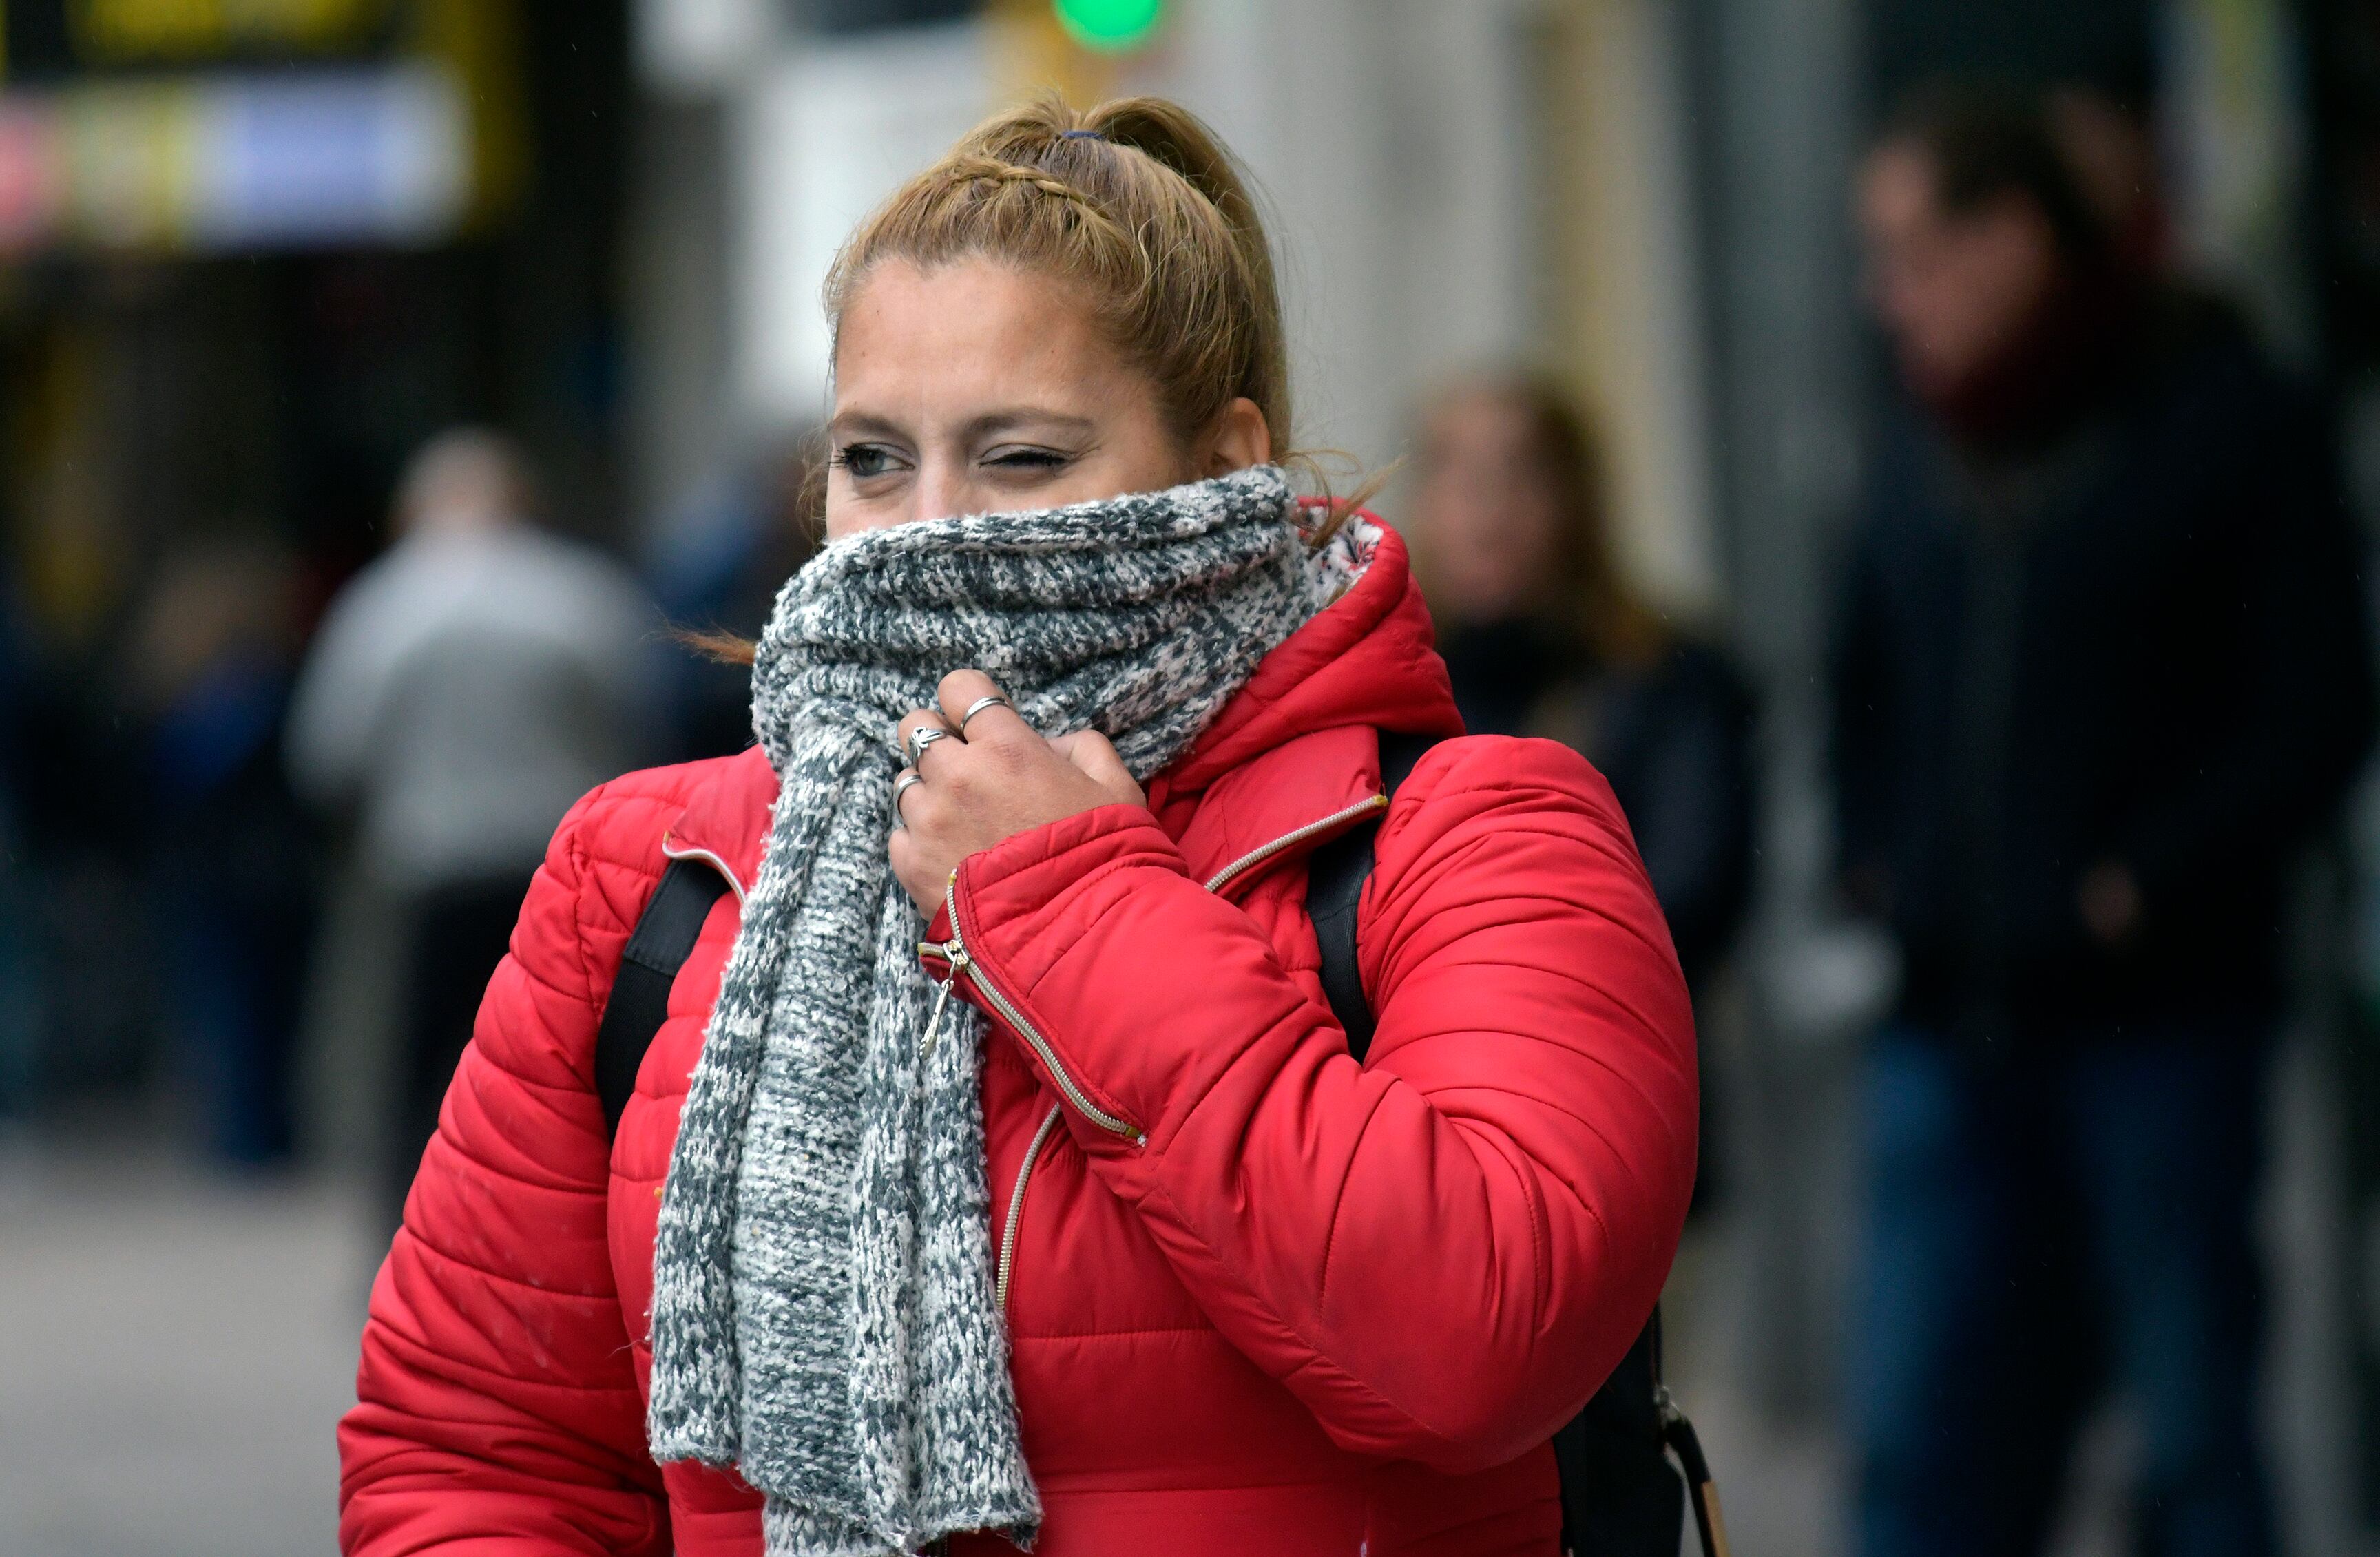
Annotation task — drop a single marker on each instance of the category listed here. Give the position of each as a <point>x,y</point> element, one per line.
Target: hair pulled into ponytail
<point>1139,209</point>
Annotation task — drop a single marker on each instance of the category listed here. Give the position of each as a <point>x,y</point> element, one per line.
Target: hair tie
<point>1082,135</point>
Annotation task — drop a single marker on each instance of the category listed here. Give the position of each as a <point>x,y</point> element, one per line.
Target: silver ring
<point>900,787</point>
<point>920,738</point>
<point>992,699</point>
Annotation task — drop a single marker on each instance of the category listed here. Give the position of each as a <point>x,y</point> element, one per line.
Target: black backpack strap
<point>1334,886</point>
<point>1621,1495</point>
<point>663,939</point>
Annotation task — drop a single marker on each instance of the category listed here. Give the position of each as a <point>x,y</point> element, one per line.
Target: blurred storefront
<point>251,255</point>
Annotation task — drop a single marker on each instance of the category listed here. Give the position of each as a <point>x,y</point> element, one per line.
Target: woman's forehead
<point>969,330</point>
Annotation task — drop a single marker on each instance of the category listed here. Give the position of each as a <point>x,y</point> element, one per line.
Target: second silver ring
<point>900,787</point>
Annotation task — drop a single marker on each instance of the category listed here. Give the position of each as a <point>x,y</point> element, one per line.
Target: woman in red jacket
<point>1000,1172</point>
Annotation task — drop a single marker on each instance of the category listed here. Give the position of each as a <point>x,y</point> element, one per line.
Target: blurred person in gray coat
<point>464,690</point>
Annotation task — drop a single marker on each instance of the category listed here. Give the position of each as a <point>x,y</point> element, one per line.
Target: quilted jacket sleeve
<point>1444,1252</point>
<point>496,1409</point>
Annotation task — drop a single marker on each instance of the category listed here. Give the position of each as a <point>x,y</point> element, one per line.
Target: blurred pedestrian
<point>234,877</point>
<point>2102,671</point>
<point>1542,637</point>
<point>464,689</point>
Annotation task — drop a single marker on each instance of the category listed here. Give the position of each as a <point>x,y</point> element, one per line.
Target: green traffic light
<point>1110,25</point>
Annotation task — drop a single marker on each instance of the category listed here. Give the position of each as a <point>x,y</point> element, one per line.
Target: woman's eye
<point>1027,459</point>
<point>864,461</point>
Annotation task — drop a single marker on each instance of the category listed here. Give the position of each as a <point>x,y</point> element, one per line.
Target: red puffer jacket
<point>1301,1306</point>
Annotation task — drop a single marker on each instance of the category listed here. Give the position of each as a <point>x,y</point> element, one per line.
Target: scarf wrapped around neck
<point>823,1316</point>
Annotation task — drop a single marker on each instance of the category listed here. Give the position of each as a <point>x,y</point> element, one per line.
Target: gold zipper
<point>954,953</point>
<point>1255,857</point>
<point>1016,1207</point>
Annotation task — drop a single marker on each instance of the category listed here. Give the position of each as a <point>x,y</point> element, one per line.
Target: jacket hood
<point>1298,743</point>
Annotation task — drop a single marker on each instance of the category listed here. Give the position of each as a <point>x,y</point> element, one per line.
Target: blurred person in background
<point>2102,671</point>
<point>234,873</point>
<point>464,689</point>
<point>1541,637</point>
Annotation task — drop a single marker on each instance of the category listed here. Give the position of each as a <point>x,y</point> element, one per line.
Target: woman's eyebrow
<point>991,424</point>
<point>861,424</point>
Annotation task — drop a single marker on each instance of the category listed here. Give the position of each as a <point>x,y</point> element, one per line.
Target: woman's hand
<point>998,779</point>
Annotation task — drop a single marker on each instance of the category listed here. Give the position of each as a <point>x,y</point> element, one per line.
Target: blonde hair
<point>1139,208</point>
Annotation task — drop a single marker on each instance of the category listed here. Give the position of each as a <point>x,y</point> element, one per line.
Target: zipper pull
<point>934,1023</point>
<point>955,954</point>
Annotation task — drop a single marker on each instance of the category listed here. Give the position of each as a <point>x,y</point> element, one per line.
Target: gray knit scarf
<point>822,1293</point>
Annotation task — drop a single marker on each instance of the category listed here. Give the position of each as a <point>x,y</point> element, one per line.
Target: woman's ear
<point>1238,439</point>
